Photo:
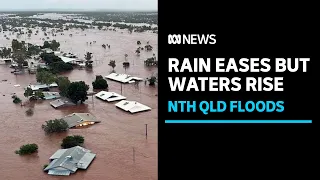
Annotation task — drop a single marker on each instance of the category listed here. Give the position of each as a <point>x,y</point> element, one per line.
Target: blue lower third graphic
<point>238,121</point>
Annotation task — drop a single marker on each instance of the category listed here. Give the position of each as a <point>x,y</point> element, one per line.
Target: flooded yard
<point>123,152</point>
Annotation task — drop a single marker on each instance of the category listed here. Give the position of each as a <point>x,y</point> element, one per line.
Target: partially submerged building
<point>109,96</point>
<point>80,119</point>
<point>6,61</point>
<point>51,95</point>
<point>123,78</point>
<point>67,161</point>
<point>38,87</point>
<point>68,59</point>
<point>132,106</point>
<point>62,102</point>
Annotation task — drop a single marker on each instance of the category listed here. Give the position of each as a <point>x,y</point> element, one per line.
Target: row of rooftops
<point>67,161</point>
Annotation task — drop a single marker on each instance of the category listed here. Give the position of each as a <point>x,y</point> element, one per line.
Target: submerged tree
<point>45,77</point>
<point>100,83</point>
<point>112,63</point>
<point>27,149</point>
<point>63,85</point>
<point>152,80</point>
<point>55,126</point>
<point>77,91</point>
<point>72,141</point>
<point>88,56</point>
<point>148,47</point>
<point>28,92</point>
<point>29,112</point>
<point>138,51</point>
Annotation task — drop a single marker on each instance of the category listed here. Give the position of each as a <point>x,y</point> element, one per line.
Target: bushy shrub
<point>72,141</point>
<point>100,83</point>
<point>27,149</point>
<point>29,112</point>
<point>57,125</point>
<point>16,99</point>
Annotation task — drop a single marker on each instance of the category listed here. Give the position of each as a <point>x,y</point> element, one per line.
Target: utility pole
<point>92,100</point>
<point>146,131</point>
<point>134,158</point>
<point>121,89</point>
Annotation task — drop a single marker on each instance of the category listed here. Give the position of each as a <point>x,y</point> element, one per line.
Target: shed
<point>132,106</point>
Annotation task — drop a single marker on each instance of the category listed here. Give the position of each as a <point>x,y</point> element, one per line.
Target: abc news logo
<point>191,39</point>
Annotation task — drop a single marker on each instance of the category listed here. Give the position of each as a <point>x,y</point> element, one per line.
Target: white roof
<point>41,86</point>
<point>66,59</point>
<point>132,106</point>
<point>123,78</point>
<point>109,96</point>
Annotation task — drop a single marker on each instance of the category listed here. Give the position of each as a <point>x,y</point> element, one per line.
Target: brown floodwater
<point>113,140</point>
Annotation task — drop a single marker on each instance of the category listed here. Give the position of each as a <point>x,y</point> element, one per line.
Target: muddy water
<point>113,140</point>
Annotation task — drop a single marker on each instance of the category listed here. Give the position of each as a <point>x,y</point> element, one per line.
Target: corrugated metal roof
<point>61,102</point>
<point>70,160</point>
<point>86,160</point>
<point>67,59</point>
<point>58,154</point>
<point>51,95</point>
<point>132,106</point>
<point>79,118</point>
<point>123,78</point>
<point>36,87</point>
<point>109,96</point>
<point>59,172</point>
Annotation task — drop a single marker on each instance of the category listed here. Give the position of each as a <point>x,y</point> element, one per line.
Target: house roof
<point>109,96</point>
<point>66,161</point>
<point>62,102</point>
<point>75,119</point>
<point>36,87</point>
<point>132,106</point>
<point>67,59</point>
<point>123,78</point>
<point>51,95</point>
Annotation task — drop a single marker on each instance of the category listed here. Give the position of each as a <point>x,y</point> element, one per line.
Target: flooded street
<point>113,140</point>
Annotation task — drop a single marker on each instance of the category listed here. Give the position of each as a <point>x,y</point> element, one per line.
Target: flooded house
<point>51,95</point>
<point>132,106</point>
<point>67,161</point>
<point>44,87</point>
<point>109,96</point>
<point>123,78</point>
<point>80,119</point>
<point>62,102</point>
